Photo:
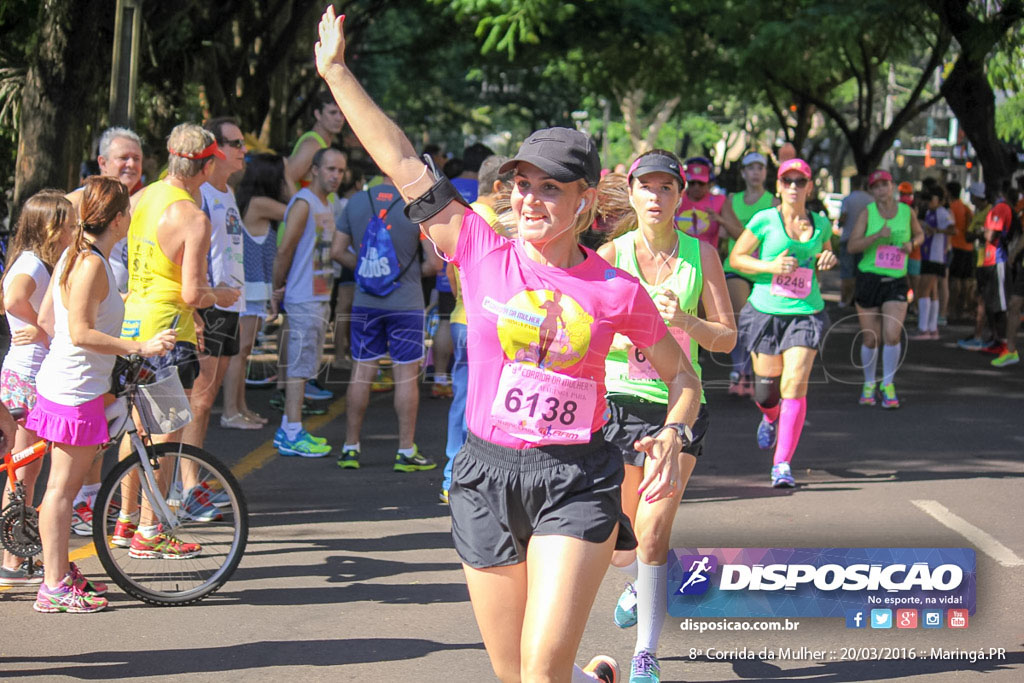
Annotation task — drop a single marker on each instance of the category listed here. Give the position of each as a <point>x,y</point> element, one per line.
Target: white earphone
<point>583,205</point>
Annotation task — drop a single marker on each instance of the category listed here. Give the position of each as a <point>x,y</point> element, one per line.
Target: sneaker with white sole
<point>302,445</point>
<point>81,519</point>
<point>625,608</point>
<point>21,576</point>
<point>782,476</point>
<point>66,597</point>
<point>645,668</point>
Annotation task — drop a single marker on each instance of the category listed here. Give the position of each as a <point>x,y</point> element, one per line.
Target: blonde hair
<point>187,138</point>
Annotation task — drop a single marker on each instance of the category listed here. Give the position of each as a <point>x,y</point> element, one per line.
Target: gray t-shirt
<point>405,236</point>
<point>853,205</point>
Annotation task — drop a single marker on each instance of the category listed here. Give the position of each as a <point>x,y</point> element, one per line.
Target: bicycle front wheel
<point>196,549</point>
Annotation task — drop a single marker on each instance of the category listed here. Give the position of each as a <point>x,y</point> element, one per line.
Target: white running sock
<point>933,320</point>
<point>351,447</point>
<point>87,493</point>
<point>869,361</point>
<point>890,359</point>
<point>290,429</point>
<point>651,605</point>
<point>629,570</point>
<point>924,314</point>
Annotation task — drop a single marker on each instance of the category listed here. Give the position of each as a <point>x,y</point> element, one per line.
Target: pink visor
<point>798,165</point>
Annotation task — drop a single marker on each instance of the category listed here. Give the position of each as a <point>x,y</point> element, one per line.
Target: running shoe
<point>766,433</point>
<point>86,585</point>
<point>81,519</point>
<point>280,433</point>
<point>218,496</point>
<point>889,398</point>
<point>782,476</point>
<point>995,348</point>
<point>123,532</point>
<point>413,463</point>
<point>1005,359</point>
<point>645,668</point>
<point>302,445</point>
<point>625,608</point>
<point>971,344</point>
<point>441,391</point>
<point>867,394</point>
<point>349,459</point>
<point>315,392</point>
<point>735,384</point>
<point>21,576</point>
<point>603,668</point>
<point>443,496</point>
<point>199,508</point>
<point>162,547</point>
<point>66,597</point>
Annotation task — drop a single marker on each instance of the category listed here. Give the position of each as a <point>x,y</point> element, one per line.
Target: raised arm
<point>380,137</point>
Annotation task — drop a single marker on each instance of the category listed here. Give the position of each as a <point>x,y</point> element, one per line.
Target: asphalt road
<point>350,575</point>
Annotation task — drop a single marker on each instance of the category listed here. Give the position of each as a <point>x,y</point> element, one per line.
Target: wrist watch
<point>682,430</point>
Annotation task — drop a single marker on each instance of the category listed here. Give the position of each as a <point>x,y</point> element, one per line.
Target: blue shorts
<point>377,333</point>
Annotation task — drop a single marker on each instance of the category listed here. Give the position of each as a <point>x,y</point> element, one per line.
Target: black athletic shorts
<point>773,334</point>
<point>633,418</point>
<point>873,290</point>
<point>220,332</point>
<point>933,268</point>
<point>182,356</point>
<point>501,497</point>
<point>961,266</point>
<point>992,286</point>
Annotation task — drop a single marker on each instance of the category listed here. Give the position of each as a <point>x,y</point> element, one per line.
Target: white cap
<point>977,189</point>
<point>754,158</point>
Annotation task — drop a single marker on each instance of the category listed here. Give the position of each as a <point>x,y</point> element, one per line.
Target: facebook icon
<point>856,618</point>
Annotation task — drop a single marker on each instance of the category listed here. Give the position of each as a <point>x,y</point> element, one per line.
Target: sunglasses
<point>237,144</point>
<point>799,182</point>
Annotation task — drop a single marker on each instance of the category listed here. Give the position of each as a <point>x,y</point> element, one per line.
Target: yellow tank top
<point>154,281</point>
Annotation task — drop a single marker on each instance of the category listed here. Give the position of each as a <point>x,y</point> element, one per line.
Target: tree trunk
<point>62,87</point>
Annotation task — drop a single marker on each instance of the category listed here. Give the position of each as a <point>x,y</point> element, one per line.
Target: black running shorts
<point>633,418</point>
<point>501,497</point>
<point>873,290</point>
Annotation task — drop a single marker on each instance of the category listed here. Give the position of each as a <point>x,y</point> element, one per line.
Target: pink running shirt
<point>549,320</point>
<point>694,218</point>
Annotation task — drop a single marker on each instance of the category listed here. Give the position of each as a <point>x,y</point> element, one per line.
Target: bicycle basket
<point>162,404</point>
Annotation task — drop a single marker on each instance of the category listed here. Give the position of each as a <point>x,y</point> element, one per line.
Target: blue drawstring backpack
<point>377,271</point>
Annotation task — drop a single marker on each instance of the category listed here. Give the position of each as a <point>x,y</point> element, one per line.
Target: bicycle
<point>19,523</point>
<point>153,477</point>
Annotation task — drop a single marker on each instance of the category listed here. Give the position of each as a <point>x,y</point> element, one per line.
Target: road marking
<point>980,538</point>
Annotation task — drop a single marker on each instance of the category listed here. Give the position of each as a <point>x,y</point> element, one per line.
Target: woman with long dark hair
<point>82,311</point>
<point>44,231</point>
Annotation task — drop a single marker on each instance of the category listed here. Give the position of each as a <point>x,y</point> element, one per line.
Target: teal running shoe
<point>645,668</point>
<point>625,608</point>
<point>302,445</point>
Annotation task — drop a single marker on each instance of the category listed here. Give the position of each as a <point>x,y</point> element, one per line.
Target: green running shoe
<point>414,462</point>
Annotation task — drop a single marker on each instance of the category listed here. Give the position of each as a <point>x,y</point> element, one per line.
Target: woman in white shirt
<point>43,232</point>
<point>82,311</point>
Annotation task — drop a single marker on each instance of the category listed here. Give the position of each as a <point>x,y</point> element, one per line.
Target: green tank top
<point>771,233</point>
<point>745,212</point>
<point>900,227</point>
<point>687,282</point>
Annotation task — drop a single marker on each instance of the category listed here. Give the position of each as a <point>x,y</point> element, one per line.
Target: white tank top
<point>70,375</point>
<point>25,359</point>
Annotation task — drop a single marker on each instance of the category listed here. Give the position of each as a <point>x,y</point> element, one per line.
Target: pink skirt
<point>83,425</point>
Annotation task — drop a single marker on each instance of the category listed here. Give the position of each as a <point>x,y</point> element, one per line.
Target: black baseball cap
<point>652,163</point>
<point>563,153</point>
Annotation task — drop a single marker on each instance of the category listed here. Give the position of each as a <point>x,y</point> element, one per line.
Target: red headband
<point>209,151</point>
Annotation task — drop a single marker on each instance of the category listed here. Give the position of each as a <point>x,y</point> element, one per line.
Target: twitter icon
<point>881,618</point>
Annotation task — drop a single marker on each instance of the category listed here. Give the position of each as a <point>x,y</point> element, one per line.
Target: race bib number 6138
<point>544,407</point>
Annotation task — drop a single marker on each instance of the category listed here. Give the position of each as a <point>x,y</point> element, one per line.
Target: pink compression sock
<point>791,423</point>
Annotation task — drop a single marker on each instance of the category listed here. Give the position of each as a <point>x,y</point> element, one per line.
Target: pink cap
<point>878,176</point>
<point>798,165</point>
<point>697,173</point>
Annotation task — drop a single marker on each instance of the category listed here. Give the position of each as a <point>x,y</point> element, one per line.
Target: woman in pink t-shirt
<point>542,313</point>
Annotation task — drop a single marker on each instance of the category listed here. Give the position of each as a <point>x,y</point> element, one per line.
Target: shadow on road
<point>232,658</point>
